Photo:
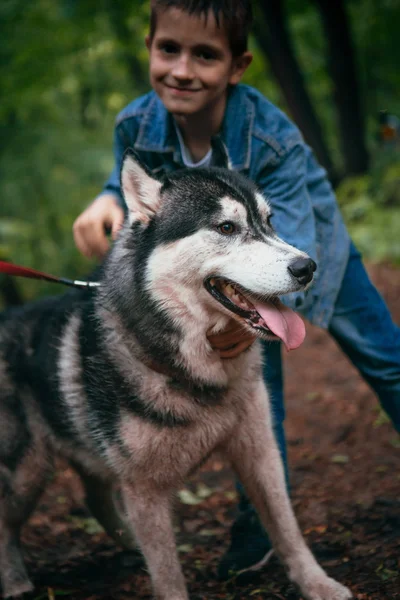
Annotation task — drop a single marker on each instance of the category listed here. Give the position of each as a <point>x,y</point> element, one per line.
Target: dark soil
<point>344,459</point>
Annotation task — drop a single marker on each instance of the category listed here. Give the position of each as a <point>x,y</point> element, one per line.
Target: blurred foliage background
<point>68,66</point>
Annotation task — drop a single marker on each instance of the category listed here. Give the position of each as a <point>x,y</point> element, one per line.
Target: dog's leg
<point>14,577</point>
<point>255,456</point>
<point>150,512</point>
<point>19,491</point>
<point>105,503</point>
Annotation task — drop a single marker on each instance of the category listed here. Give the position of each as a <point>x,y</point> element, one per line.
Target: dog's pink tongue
<point>284,323</point>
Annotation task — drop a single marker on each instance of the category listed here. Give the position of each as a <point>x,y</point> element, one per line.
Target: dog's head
<point>212,250</point>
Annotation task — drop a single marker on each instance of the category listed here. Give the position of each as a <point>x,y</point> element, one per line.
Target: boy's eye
<point>227,228</point>
<point>206,55</point>
<point>169,48</point>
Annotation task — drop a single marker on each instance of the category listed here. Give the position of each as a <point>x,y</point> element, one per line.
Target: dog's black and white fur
<point>123,382</point>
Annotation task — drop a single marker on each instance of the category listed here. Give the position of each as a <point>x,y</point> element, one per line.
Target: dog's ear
<point>220,156</point>
<point>141,191</point>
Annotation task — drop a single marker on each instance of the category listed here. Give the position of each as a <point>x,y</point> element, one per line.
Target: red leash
<point>15,270</point>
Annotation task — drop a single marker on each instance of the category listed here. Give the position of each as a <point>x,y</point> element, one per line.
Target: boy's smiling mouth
<point>181,89</point>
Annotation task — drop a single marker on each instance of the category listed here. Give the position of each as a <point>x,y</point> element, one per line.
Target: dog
<point>122,380</point>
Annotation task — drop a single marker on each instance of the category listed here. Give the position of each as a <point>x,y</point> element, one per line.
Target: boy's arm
<point>122,140</point>
<point>286,189</point>
<point>105,213</point>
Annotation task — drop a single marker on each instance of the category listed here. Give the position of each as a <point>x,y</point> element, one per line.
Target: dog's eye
<point>227,228</point>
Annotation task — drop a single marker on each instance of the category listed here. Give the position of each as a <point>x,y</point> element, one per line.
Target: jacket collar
<point>157,132</point>
<point>237,127</point>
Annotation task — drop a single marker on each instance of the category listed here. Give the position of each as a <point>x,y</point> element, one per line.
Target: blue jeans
<point>363,328</point>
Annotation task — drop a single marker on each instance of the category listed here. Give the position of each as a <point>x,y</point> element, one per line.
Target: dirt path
<point>345,473</point>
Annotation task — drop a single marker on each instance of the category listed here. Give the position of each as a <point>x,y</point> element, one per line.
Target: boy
<point>198,54</point>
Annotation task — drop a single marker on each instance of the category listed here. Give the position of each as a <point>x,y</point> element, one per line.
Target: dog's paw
<point>326,589</point>
<point>17,590</point>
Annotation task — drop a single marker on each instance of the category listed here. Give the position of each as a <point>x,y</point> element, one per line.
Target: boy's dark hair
<point>234,15</point>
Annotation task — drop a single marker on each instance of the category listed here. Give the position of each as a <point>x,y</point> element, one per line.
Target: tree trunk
<point>273,38</point>
<point>342,67</point>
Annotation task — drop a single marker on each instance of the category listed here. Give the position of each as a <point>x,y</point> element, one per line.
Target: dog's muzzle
<point>269,319</point>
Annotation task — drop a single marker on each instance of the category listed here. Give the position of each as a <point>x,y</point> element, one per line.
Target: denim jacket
<point>267,147</point>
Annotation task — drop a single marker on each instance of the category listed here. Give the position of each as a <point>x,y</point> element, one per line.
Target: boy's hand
<point>90,227</point>
<point>232,341</point>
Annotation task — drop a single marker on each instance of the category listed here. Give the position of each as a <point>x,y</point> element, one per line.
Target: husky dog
<point>124,383</point>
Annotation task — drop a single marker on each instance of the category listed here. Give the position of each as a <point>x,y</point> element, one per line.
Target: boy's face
<point>191,63</point>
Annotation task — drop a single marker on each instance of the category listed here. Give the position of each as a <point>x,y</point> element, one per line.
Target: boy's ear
<point>240,64</point>
<point>141,191</point>
<point>147,41</point>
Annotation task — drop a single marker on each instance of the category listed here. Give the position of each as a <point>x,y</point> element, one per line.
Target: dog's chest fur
<point>140,422</point>
<point>169,454</point>
<point>163,453</point>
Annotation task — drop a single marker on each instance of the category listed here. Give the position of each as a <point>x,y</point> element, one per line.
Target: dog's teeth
<point>237,298</point>
<point>243,301</point>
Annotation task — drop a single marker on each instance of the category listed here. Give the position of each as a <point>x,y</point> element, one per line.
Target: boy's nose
<point>182,68</point>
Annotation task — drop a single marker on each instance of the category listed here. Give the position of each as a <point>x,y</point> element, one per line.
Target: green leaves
<point>371,208</point>
<point>66,69</point>
<point>188,497</point>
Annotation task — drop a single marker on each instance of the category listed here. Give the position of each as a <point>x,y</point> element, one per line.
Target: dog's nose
<point>302,269</point>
